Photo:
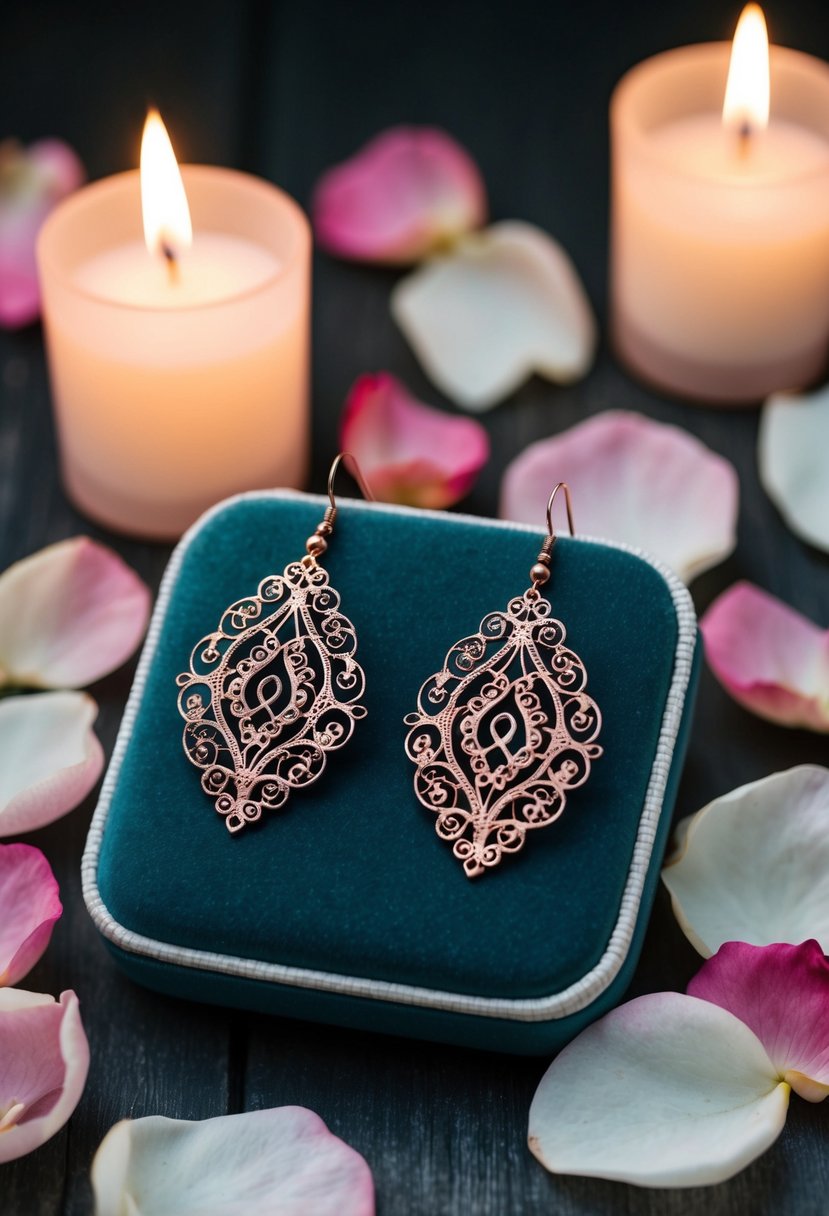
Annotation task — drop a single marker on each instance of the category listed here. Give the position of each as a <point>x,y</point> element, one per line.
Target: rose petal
<point>282,1160</point>
<point>753,866</point>
<point>29,907</point>
<point>782,993</point>
<point>633,480</point>
<point>793,442</point>
<point>501,305</point>
<point>666,1090</point>
<point>68,615</point>
<point>768,657</point>
<point>408,452</point>
<point>32,181</point>
<point>50,758</point>
<point>44,1059</point>
<point>409,191</point>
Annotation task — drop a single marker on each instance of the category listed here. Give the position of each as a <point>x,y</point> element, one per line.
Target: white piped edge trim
<point>534,1009</point>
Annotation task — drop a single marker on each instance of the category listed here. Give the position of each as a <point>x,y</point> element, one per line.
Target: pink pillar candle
<point>174,390</point>
<point>720,252</point>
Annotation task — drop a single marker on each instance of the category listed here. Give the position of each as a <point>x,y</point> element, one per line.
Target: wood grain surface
<point>284,90</point>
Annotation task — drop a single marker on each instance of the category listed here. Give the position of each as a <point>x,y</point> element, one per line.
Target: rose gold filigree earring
<point>275,687</point>
<point>505,729</point>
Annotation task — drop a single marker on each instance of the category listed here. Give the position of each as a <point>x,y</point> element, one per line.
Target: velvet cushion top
<point>350,877</point>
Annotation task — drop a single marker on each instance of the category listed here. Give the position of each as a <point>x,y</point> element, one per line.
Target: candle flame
<point>167,227</point>
<point>746,106</point>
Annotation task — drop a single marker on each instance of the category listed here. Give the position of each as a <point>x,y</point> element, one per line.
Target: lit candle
<point>720,218</point>
<point>178,358</point>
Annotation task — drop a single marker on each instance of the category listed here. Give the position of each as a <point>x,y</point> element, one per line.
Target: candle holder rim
<point>48,263</point>
<point>626,127</point>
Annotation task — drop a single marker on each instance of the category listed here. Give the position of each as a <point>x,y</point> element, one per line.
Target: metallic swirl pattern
<point>502,733</point>
<point>270,692</point>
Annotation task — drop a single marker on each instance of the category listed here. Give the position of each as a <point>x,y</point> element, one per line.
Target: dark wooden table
<point>285,90</point>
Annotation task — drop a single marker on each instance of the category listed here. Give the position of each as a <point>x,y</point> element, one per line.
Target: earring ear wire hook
<point>562,485</point>
<point>356,473</point>
<point>540,572</point>
<point>317,544</point>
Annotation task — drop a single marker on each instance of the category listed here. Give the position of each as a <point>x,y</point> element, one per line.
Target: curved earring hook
<point>317,544</point>
<point>562,485</point>
<point>356,473</point>
<point>540,572</point>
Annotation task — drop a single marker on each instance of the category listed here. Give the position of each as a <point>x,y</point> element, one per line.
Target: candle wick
<point>171,260</point>
<point>744,138</point>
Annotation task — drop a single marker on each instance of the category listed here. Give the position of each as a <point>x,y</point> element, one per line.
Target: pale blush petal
<point>408,452</point>
<point>407,192</point>
<point>501,305</point>
<point>32,181</point>
<point>754,864</point>
<point>50,758</point>
<point>771,659</point>
<point>57,168</point>
<point>666,1090</point>
<point>637,481</point>
<point>282,1160</point>
<point>68,615</point>
<point>782,993</point>
<point>29,907</point>
<point>44,1060</point>
<point>793,442</point>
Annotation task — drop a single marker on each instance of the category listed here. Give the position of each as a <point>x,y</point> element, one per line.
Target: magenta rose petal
<point>407,192</point>
<point>69,614</point>
<point>633,480</point>
<point>50,758</point>
<point>44,1060</point>
<point>409,452</point>
<point>667,1090</point>
<point>32,181</point>
<point>782,992</point>
<point>768,657</point>
<point>29,907</point>
<point>283,1160</point>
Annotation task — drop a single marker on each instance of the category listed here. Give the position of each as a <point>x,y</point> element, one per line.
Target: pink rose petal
<point>283,1161</point>
<point>407,192</point>
<point>68,615</point>
<point>32,181</point>
<point>50,758</point>
<point>408,452</point>
<point>29,907</point>
<point>633,480</point>
<point>782,993</point>
<point>44,1059</point>
<point>768,657</point>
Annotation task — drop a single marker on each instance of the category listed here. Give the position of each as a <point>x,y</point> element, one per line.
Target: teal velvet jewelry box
<point>344,906</point>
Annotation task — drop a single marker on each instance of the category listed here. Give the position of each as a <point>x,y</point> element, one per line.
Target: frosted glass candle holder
<point>720,262</point>
<point>172,392</point>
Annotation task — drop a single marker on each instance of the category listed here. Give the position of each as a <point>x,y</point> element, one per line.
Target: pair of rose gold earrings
<point>500,736</point>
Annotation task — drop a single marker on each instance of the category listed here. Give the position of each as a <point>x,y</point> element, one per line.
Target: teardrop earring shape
<point>275,687</point>
<point>505,730</point>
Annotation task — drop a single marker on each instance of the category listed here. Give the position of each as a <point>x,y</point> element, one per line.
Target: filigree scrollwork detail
<point>270,692</point>
<point>503,733</point>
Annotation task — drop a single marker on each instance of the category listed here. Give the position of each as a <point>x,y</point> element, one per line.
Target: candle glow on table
<point>178,358</point>
<point>720,218</point>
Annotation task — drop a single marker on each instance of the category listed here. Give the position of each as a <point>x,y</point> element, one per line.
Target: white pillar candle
<point>720,241</point>
<point>176,387</point>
